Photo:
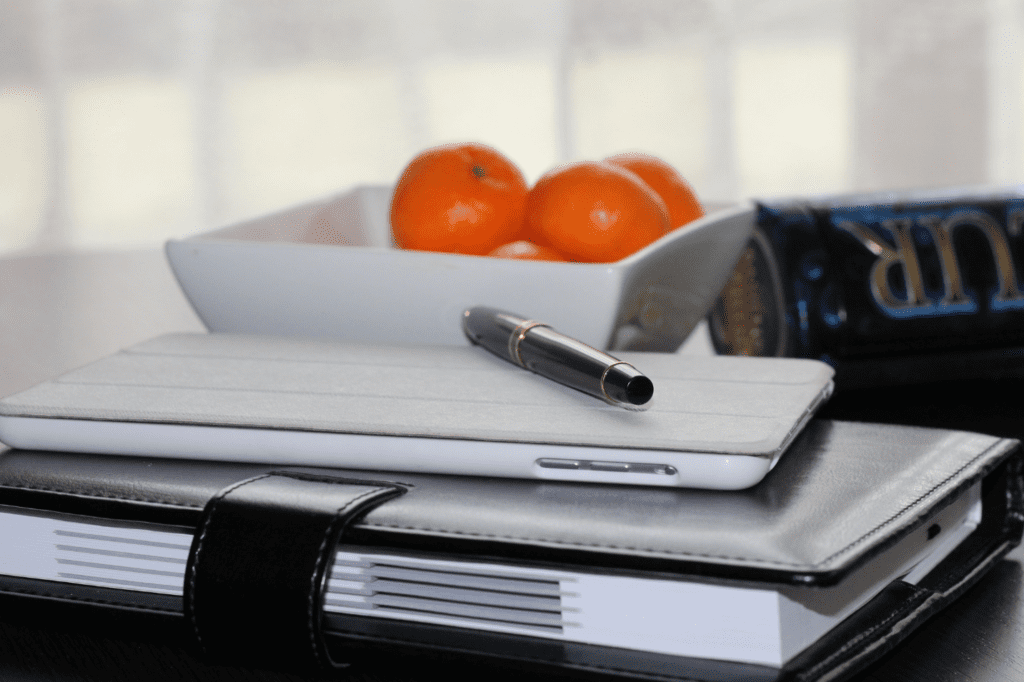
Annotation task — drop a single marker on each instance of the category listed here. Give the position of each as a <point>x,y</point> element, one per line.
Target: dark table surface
<point>60,311</point>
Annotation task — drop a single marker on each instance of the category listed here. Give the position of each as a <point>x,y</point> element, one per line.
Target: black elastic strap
<point>256,571</point>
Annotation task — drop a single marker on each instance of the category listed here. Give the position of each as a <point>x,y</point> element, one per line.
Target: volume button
<point>558,463</point>
<point>619,467</point>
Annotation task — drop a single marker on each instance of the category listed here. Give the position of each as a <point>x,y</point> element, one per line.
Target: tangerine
<point>524,250</point>
<point>683,206</point>
<point>458,198</point>
<point>594,212</point>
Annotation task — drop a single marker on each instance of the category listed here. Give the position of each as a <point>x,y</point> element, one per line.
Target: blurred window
<point>123,123</point>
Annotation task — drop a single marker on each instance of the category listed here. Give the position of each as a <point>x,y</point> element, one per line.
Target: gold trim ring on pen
<point>517,336</point>
<point>604,374</point>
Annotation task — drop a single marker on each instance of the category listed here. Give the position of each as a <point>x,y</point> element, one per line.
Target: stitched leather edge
<point>200,536</point>
<point>97,496</point>
<point>324,478</point>
<point>319,573</point>
<point>911,612</point>
<point>672,553</point>
<point>920,601</point>
<point>300,475</point>
<point>912,505</point>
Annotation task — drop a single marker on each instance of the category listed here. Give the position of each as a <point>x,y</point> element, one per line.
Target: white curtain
<point>125,122</point>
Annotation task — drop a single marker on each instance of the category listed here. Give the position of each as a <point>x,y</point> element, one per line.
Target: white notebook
<point>714,422</point>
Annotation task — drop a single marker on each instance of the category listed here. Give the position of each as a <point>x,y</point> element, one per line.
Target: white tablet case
<point>441,409</point>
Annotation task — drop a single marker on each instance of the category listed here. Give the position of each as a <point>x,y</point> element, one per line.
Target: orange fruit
<point>683,206</point>
<point>458,198</point>
<point>524,250</point>
<point>594,212</point>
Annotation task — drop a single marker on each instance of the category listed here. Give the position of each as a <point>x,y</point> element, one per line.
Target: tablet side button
<point>558,463</point>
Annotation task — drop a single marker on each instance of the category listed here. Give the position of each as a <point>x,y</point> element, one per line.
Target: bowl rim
<point>721,212</point>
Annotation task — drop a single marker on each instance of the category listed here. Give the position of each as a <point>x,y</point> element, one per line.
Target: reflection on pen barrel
<point>539,348</point>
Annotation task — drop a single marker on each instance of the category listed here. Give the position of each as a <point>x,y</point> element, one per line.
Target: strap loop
<point>259,561</point>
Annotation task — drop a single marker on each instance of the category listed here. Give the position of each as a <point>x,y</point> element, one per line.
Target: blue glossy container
<point>890,288</point>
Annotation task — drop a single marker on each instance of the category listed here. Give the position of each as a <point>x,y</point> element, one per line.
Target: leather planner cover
<point>858,535</point>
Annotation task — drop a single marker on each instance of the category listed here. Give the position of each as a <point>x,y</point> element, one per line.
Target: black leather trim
<point>256,570</point>
<point>162,491</point>
<point>32,592</point>
<point>895,613</point>
<point>368,641</point>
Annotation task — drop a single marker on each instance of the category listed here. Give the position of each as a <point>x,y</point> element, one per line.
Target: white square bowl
<point>327,269</point>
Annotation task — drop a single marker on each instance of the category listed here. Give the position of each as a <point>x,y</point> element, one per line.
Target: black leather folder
<point>858,535</point>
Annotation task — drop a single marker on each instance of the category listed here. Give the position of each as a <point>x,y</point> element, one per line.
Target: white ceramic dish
<point>327,269</point>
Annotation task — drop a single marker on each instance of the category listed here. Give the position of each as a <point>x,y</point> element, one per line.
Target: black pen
<point>539,348</point>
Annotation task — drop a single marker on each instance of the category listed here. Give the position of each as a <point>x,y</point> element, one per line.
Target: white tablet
<point>714,422</point>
